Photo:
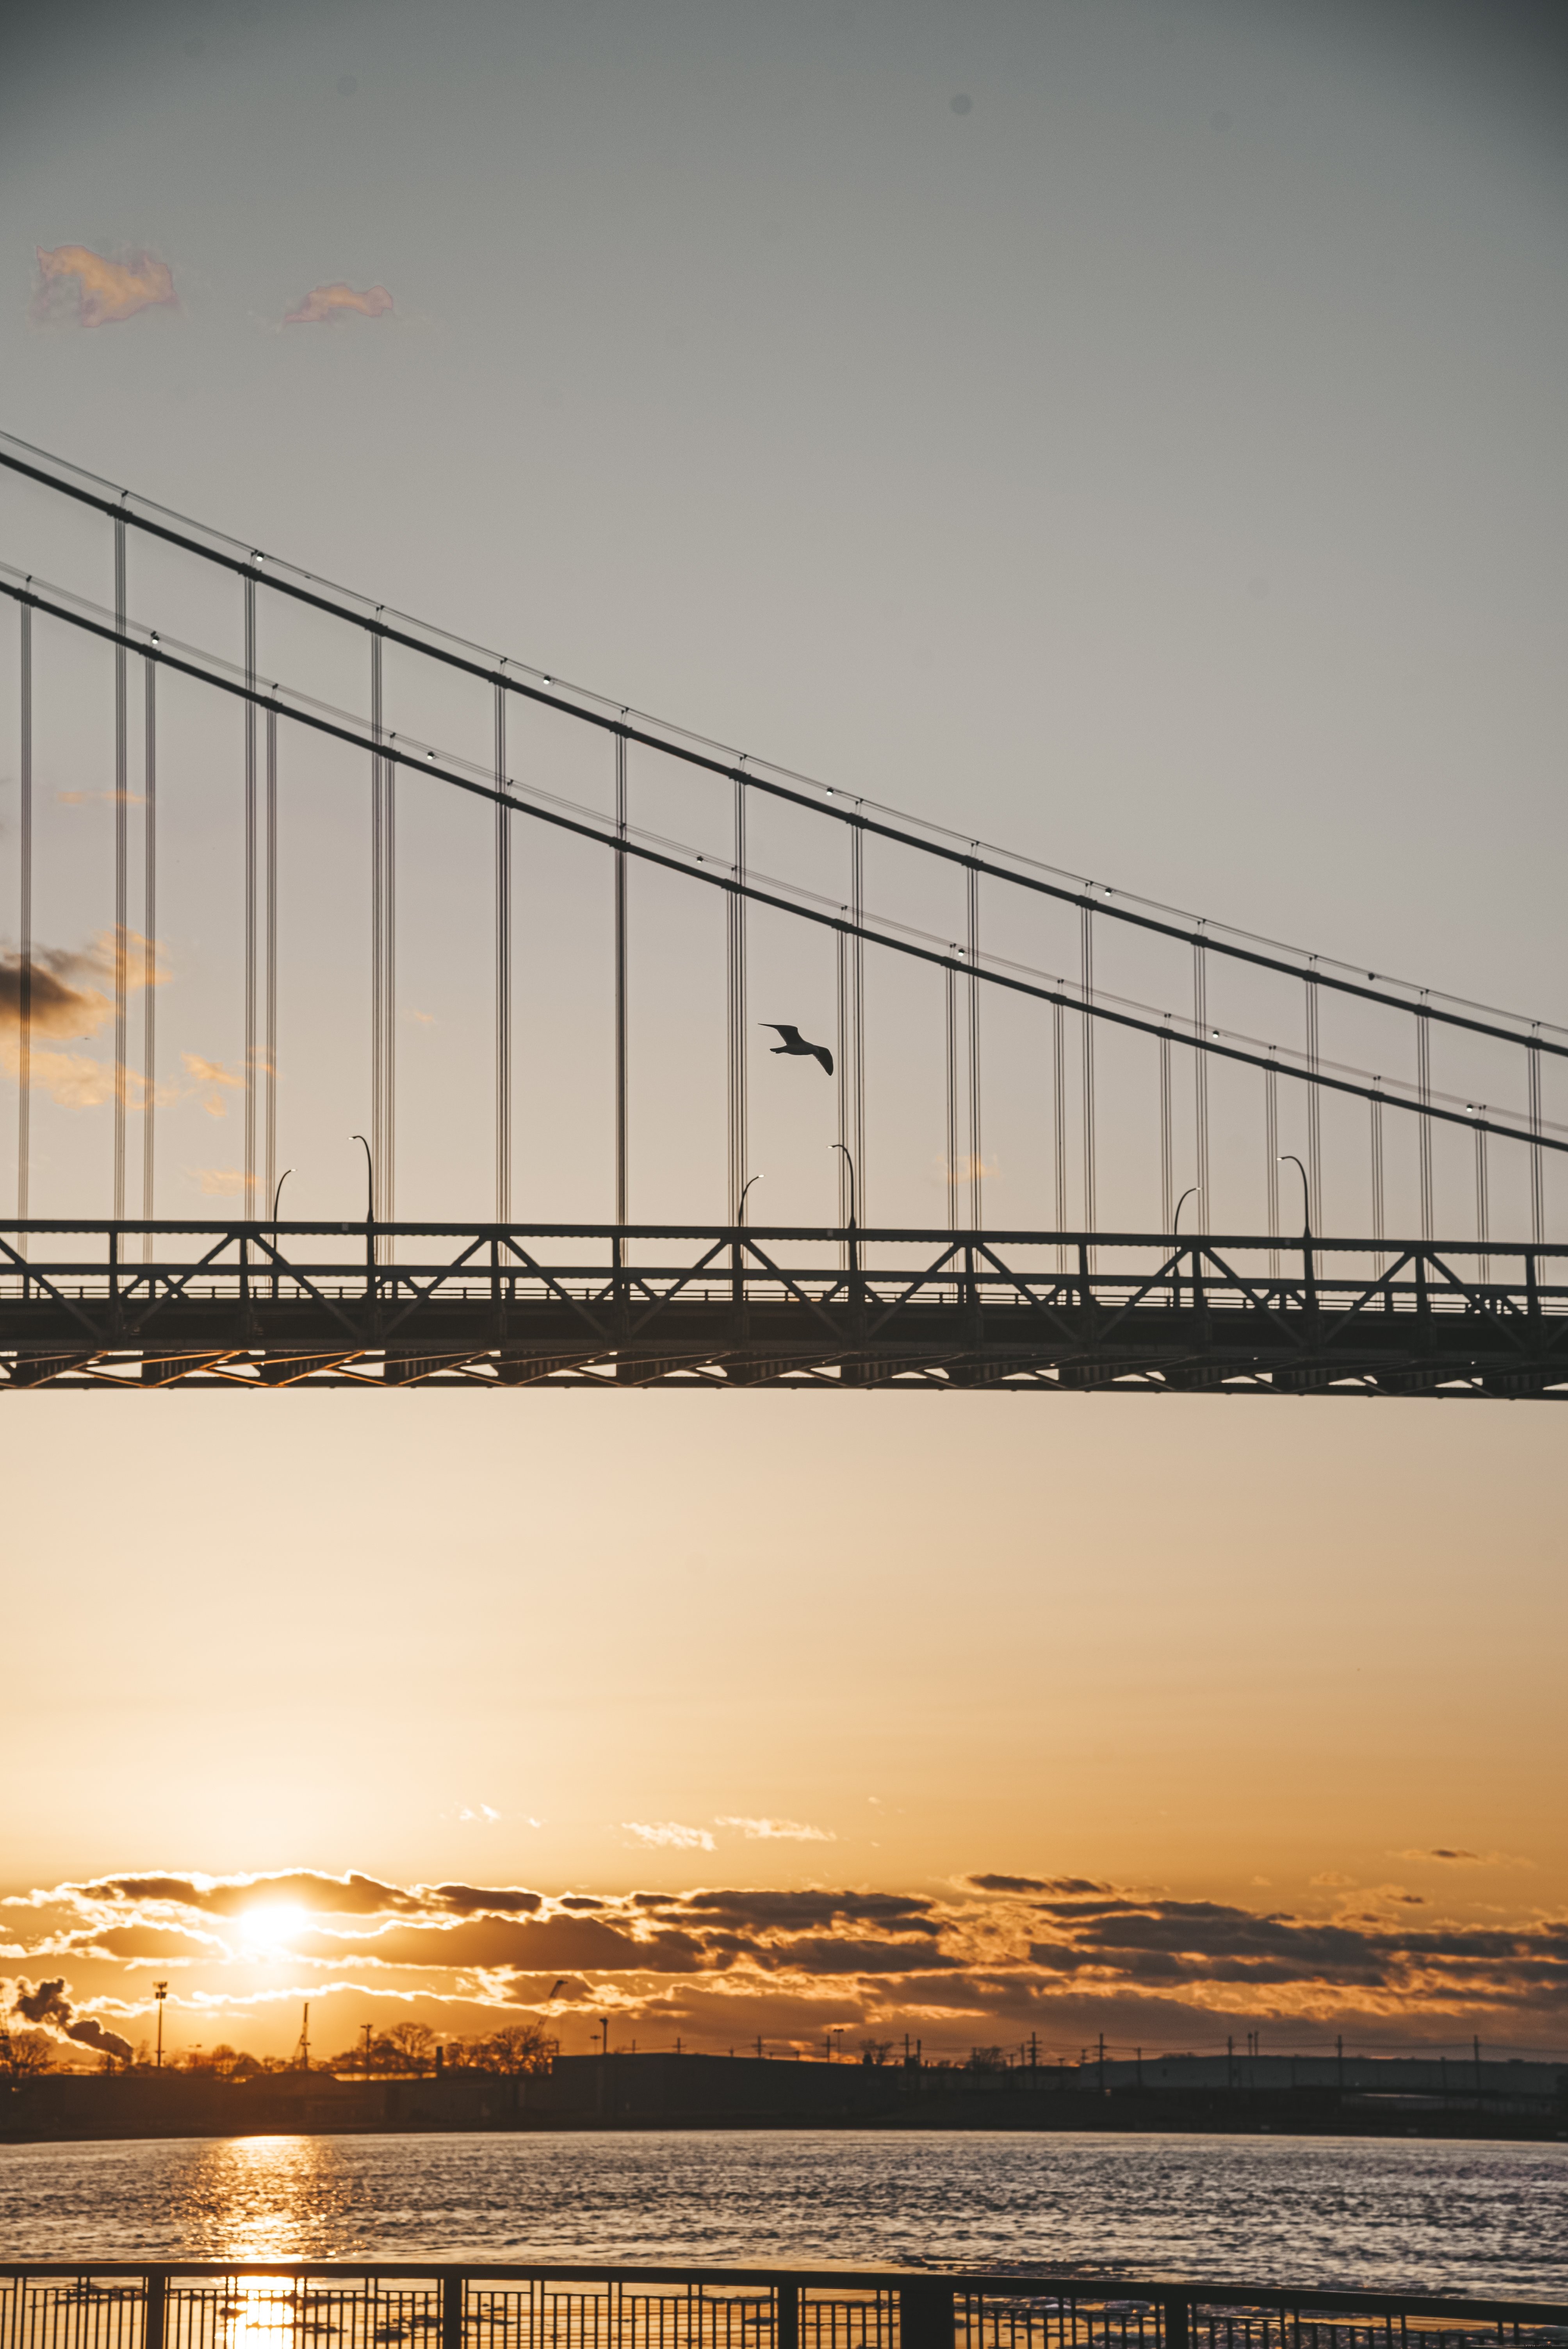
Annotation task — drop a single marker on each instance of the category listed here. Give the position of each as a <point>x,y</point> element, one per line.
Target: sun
<point>274,1926</point>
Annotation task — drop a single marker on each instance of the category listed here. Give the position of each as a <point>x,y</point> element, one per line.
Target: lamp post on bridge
<point>737,1261</point>
<point>1289,1158</point>
<point>857,1303</point>
<point>369,1212</point>
<point>1193,1191</point>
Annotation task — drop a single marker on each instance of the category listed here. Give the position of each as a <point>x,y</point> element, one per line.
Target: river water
<point>1386,2212</point>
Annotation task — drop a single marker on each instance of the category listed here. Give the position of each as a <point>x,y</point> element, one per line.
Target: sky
<point>1128,434</point>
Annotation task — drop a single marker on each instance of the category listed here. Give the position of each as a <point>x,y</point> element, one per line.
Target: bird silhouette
<point>794,1042</point>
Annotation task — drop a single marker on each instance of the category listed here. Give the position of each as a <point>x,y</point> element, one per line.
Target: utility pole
<point>159,1991</point>
<point>604,2027</point>
<point>367,2028</point>
<point>1103,2062</point>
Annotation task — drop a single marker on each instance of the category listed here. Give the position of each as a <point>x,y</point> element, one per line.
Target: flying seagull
<point>796,1044</point>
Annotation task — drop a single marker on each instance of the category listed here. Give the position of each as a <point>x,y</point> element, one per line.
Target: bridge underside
<point>241,1305</point>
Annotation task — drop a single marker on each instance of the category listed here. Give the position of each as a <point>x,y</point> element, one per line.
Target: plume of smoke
<point>45,2003</point>
<point>324,302</point>
<point>107,291</point>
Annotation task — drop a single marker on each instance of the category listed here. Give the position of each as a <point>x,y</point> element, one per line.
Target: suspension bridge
<point>430,929</point>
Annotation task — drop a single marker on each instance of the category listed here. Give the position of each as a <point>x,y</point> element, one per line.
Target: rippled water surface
<point>1387,2212</point>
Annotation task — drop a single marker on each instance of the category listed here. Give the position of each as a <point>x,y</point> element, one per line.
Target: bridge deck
<point>244,1305</point>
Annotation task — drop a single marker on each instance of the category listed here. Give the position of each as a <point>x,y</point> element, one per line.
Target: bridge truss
<point>247,1305</point>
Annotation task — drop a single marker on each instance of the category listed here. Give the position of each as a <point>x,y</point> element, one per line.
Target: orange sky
<point>1007,1664</point>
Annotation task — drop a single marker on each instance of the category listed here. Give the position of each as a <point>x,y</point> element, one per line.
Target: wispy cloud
<point>778,1830</point>
<point>219,1182</point>
<point>104,292</point>
<point>216,1078</point>
<point>101,799</point>
<point>323,304</point>
<point>670,1834</point>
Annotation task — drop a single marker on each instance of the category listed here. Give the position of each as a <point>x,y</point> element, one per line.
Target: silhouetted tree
<point>414,2046</point>
<point>24,2053</point>
<point>518,2047</point>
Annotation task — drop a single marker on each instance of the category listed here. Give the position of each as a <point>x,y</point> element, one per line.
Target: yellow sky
<point>1269,1655</point>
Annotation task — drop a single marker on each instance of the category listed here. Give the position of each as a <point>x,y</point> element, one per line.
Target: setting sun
<point>273,1927</point>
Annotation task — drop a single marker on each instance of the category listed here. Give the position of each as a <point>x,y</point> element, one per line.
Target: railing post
<point>452,2283</point>
<point>1177,2315</point>
<point>787,2317</point>
<point>926,2315</point>
<point>154,2324</point>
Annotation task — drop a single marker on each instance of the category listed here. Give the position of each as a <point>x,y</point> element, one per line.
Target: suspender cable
<point>1167,1140</point>
<point>858,1009</point>
<point>388,1160</point>
<point>1423,1124</point>
<point>149,941</point>
<point>270,1037</point>
<point>1482,1205</point>
<point>1086,919</point>
<point>842,987</point>
<point>122,859</point>
<point>374,910</point>
<point>1059,1123</point>
<point>1313,1107</point>
<point>250,1059</point>
<point>977,1165</point>
<point>735,957</point>
<point>622,1136</point>
<point>1201,1082</point>
<point>1537,1187</point>
<point>950,1023</point>
<point>1374,1114</point>
<point>503,972</point>
<point>1271,1154</point>
<point>24,926</point>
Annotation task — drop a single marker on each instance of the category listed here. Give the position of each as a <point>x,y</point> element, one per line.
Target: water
<point>1383,2212</point>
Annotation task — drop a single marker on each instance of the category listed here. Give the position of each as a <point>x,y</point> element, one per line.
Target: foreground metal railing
<point>200,2304</point>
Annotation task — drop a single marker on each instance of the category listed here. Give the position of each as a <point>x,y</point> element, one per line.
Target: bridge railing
<point>217,2305</point>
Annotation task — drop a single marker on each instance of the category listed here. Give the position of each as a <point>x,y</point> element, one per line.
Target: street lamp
<point>1289,1158</point>
<point>851,1164</point>
<point>1193,1191</point>
<point>740,1210</point>
<point>159,1991</point>
<point>369,1177</point>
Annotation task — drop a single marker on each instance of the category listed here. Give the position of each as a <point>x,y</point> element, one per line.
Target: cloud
<point>106,292</point>
<point>1052,1884</point>
<point>45,2002</point>
<point>219,1182</point>
<point>670,1834</point>
<point>1331,1876</point>
<point>100,799</point>
<point>63,993</point>
<point>778,1830</point>
<point>58,985</point>
<point>987,1961</point>
<point>217,1079</point>
<point>325,304</point>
